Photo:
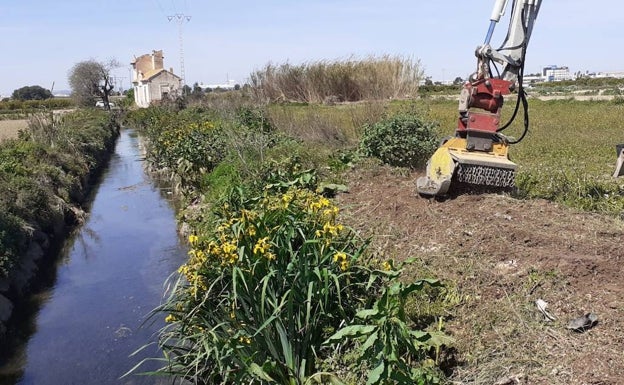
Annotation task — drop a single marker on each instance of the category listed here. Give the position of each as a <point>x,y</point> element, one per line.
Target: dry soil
<point>499,255</point>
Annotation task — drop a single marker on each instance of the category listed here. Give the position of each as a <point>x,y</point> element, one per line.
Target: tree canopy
<point>31,93</point>
<point>91,80</point>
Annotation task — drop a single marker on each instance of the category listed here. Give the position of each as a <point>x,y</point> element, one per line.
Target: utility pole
<point>118,81</point>
<point>180,18</point>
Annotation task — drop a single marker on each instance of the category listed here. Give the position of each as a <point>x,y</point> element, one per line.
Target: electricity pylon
<point>180,18</point>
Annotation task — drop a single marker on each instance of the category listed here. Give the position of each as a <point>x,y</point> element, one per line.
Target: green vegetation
<point>585,83</point>
<point>277,289</point>
<point>270,285</point>
<point>272,273</point>
<point>44,174</point>
<point>12,109</point>
<point>402,140</point>
<point>31,93</point>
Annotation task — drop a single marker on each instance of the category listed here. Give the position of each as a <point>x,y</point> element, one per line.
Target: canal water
<point>110,275</point>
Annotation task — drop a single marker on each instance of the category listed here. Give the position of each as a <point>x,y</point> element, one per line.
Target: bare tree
<point>91,80</point>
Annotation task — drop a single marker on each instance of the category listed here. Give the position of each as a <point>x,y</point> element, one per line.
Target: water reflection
<point>110,275</point>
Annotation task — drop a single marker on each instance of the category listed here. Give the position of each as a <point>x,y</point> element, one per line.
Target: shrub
<point>384,335</point>
<point>186,146</point>
<point>36,105</point>
<point>403,140</point>
<point>254,118</point>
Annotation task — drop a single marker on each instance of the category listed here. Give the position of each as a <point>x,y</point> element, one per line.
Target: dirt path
<point>498,255</point>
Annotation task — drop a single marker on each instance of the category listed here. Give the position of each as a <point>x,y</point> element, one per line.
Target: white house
<point>151,81</point>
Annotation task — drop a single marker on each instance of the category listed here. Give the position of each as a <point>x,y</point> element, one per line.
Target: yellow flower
<point>247,215</point>
<point>340,256</point>
<point>386,265</point>
<point>342,260</point>
<point>270,256</point>
<point>200,256</point>
<point>287,198</point>
<point>261,246</point>
<point>193,239</point>
<point>229,247</point>
<point>170,318</point>
<point>244,340</point>
<point>324,202</point>
<point>328,228</point>
<point>184,269</point>
<point>331,212</point>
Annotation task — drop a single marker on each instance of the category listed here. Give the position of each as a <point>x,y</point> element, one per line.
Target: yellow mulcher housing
<point>453,163</point>
<point>477,155</point>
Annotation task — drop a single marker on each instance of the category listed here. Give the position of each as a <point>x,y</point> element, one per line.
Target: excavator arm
<point>478,154</point>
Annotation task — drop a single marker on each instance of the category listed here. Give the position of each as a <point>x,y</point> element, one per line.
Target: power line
<point>180,18</point>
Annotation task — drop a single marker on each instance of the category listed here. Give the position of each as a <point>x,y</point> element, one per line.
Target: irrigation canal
<point>90,318</point>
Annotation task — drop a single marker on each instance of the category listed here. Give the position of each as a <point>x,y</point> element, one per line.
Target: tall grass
<point>350,80</point>
<point>331,126</point>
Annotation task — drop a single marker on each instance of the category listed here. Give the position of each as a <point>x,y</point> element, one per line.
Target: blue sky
<point>43,39</point>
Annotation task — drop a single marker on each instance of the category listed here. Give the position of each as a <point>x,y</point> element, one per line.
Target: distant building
<point>527,80</point>
<point>553,73</point>
<point>229,85</point>
<point>151,81</point>
<point>616,75</point>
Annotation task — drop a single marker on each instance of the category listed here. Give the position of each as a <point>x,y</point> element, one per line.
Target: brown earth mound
<point>501,255</point>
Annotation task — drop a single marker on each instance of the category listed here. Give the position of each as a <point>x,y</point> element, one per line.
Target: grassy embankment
<point>44,176</point>
<point>246,171</point>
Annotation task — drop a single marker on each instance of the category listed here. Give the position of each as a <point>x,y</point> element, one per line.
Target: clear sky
<point>228,39</point>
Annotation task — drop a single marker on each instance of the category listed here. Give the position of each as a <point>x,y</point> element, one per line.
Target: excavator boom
<point>478,154</point>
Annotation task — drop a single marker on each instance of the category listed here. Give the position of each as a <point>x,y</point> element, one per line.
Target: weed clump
<point>402,140</point>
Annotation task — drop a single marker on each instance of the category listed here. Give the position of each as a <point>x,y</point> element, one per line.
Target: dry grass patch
<point>371,78</point>
<point>10,128</point>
